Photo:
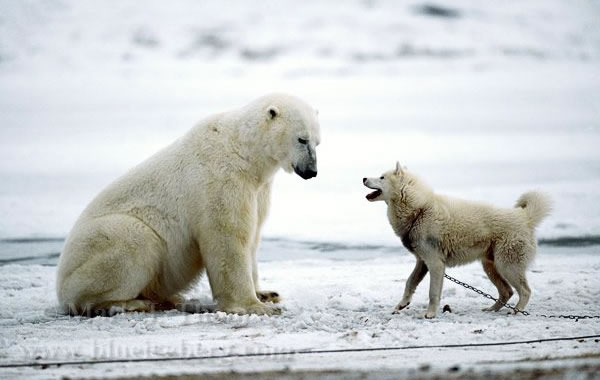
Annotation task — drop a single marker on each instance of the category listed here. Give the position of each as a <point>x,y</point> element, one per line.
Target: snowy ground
<point>484,101</point>
<point>329,303</point>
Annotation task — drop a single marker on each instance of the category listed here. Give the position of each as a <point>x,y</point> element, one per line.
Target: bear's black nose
<point>310,174</point>
<point>306,174</point>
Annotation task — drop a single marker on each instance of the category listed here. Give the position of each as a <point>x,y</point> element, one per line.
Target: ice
<point>482,143</point>
<point>483,102</point>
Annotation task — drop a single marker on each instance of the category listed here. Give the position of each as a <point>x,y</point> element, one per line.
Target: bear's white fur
<point>197,204</point>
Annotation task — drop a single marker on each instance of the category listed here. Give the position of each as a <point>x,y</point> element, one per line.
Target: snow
<point>328,304</point>
<point>484,103</point>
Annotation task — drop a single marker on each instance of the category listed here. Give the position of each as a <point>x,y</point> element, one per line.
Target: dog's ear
<point>399,170</point>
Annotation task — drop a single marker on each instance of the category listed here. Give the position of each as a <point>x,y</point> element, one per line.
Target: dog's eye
<point>302,141</point>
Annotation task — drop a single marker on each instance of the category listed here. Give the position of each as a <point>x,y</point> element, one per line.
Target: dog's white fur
<point>442,231</point>
<point>197,204</point>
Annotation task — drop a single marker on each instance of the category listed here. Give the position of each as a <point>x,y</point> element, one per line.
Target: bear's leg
<point>263,200</point>
<point>229,268</point>
<point>111,261</point>
<point>262,295</point>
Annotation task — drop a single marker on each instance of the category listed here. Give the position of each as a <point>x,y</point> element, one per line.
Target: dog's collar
<point>406,238</point>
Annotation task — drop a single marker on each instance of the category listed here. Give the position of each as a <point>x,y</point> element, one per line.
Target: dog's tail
<point>536,205</point>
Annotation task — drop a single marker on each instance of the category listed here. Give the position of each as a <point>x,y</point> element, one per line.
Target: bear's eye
<point>302,141</point>
<point>381,177</point>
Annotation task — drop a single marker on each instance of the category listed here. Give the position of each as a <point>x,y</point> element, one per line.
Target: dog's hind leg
<point>515,276</point>
<point>413,281</point>
<point>504,289</point>
<point>511,263</point>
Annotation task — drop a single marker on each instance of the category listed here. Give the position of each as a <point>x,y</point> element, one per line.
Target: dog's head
<point>400,185</point>
<point>384,184</point>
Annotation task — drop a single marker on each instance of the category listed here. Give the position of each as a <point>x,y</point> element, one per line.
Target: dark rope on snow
<point>47,364</point>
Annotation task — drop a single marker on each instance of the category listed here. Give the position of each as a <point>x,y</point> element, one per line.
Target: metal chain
<point>516,310</point>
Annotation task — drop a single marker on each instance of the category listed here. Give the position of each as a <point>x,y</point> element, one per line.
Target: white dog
<point>442,231</point>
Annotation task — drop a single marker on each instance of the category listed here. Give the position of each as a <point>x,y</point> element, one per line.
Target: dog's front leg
<point>413,281</point>
<point>436,268</point>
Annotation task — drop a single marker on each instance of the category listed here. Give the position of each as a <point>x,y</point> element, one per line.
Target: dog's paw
<point>430,315</point>
<point>491,308</point>
<point>268,296</point>
<point>399,307</point>
<point>495,307</point>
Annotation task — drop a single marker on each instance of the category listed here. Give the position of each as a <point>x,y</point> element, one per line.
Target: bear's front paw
<point>268,296</point>
<point>258,309</point>
<point>264,309</point>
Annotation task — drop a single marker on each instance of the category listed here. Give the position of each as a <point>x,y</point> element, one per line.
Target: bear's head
<point>293,134</point>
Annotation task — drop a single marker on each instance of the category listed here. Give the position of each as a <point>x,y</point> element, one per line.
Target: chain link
<point>516,310</point>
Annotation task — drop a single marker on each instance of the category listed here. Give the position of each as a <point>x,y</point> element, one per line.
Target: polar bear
<point>196,205</point>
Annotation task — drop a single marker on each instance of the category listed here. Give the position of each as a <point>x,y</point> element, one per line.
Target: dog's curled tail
<point>536,205</point>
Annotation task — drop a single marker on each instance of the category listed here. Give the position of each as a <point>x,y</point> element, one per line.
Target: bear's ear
<point>273,112</point>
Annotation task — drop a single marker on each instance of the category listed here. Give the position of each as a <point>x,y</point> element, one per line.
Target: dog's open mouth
<point>374,194</point>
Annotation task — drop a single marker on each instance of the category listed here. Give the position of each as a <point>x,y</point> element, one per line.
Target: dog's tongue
<point>374,194</point>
